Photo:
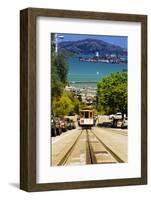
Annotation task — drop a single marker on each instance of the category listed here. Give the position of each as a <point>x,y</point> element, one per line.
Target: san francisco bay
<point>87,74</point>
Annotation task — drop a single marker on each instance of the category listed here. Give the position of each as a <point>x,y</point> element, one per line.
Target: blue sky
<point>116,40</point>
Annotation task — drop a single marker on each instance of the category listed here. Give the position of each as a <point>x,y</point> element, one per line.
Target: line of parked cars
<point>59,125</point>
<point>118,121</point>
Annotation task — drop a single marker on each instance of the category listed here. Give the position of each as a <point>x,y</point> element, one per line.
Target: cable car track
<point>95,150</point>
<point>117,158</point>
<point>67,155</point>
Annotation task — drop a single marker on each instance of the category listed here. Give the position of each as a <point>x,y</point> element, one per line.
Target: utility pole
<point>56,41</point>
<point>57,37</point>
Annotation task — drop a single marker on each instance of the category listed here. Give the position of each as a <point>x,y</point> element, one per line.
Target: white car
<point>111,116</point>
<point>118,115</point>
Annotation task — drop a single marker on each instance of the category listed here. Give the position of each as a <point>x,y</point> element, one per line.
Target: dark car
<point>53,127</point>
<point>73,125</point>
<point>63,125</point>
<point>69,123</point>
<point>58,127</point>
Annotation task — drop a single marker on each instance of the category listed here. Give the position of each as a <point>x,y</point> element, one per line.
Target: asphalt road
<point>96,146</point>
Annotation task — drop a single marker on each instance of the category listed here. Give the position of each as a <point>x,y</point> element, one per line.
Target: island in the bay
<point>95,49</point>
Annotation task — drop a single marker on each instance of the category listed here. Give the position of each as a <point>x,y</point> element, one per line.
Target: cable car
<point>86,119</point>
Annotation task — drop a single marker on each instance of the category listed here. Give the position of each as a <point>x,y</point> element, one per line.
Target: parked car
<point>111,116</point>
<point>58,126</point>
<point>119,123</point>
<point>125,123</point>
<point>118,115</point>
<point>69,125</point>
<point>63,125</point>
<point>73,124</point>
<point>53,127</point>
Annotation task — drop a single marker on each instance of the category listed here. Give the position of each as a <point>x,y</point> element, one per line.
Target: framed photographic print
<point>83,99</point>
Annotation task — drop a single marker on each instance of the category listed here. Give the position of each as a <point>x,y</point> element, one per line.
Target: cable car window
<point>90,114</point>
<point>86,114</point>
<point>81,114</point>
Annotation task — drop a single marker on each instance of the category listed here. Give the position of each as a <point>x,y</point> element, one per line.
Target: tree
<point>62,103</point>
<point>61,67</point>
<point>63,106</point>
<point>59,71</point>
<point>75,101</point>
<point>112,93</point>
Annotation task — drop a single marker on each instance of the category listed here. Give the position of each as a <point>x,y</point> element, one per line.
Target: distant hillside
<point>90,46</point>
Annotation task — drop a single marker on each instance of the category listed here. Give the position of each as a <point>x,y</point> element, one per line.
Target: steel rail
<point>108,149</point>
<point>67,155</point>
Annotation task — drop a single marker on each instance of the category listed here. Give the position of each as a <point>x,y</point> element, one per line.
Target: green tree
<point>59,71</point>
<point>61,67</point>
<point>75,101</point>
<point>62,103</point>
<point>112,93</point>
<point>63,106</point>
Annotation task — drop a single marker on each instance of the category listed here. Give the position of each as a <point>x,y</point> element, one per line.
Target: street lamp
<point>57,37</point>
